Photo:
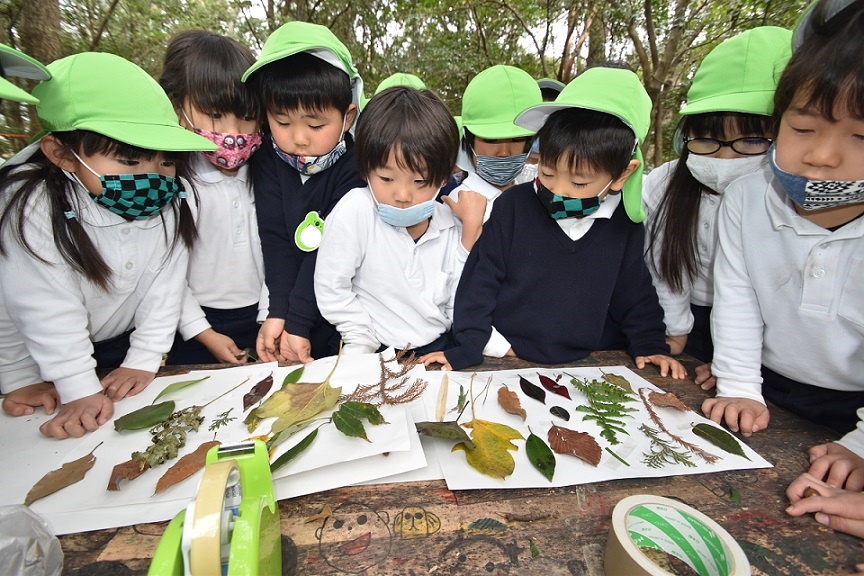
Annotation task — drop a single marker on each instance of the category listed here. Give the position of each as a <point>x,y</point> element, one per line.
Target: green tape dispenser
<point>232,526</point>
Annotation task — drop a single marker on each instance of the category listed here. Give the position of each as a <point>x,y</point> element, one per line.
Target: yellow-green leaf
<point>492,442</point>
<point>293,377</point>
<point>178,386</point>
<point>296,403</point>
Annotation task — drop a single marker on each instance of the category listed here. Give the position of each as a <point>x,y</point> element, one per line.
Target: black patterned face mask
<point>561,207</point>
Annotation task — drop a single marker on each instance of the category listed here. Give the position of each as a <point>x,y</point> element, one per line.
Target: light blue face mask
<point>499,171</point>
<point>816,194</point>
<point>404,217</point>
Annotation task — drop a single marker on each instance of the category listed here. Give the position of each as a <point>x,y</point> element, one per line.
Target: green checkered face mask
<point>135,196</point>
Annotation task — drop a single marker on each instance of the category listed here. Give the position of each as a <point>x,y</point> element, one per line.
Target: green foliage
<point>662,452</point>
<point>605,406</point>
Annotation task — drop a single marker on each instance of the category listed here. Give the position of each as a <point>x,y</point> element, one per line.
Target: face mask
<point>499,171</point>
<point>135,196</point>
<point>309,165</point>
<point>817,194</point>
<point>404,217</point>
<point>234,149</point>
<point>717,173</point>
<point>560,207</point>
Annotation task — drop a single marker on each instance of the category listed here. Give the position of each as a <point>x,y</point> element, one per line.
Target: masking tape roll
<point>672,528</point>
<point>208,527</point>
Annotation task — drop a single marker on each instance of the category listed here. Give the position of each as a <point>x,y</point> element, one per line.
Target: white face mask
<point>718,173</point>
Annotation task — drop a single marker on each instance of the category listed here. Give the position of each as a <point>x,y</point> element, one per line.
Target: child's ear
<point>618,184</point>
<point>350,114</point>
<point>57,153</point>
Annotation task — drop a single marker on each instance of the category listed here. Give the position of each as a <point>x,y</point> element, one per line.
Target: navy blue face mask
<point>816,194</point>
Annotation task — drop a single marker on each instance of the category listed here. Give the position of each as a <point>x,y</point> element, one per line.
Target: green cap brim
<point>745,103</point>
<point>494,131</point>
<point>632,191</point>
<point>10,91</point>
<point>168,138</point>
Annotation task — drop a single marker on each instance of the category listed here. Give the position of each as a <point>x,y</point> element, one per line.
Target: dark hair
<point>416,125</point>
<point>826,68</point>
<point>41,176</point>
<point>587,139</point>
<point>468,142</point>
<point>302,81</point>
<point>206,69</point>
<point>675,223</point>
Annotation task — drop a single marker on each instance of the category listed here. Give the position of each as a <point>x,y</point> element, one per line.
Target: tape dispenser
<point>232,526</point>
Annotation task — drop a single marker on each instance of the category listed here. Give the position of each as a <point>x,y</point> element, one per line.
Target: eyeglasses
<point>748,146</point>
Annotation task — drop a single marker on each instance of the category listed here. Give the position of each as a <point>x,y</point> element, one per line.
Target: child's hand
<point>844,468</point>
<point>269,339</point>
<point>24,401</point>
<point>470,210</point>
<point>123,382</point>
<point>739,413</point>
<point>664,363</point>
<point>79,417</point>
<point>704,378</point>
<point>296,348</point>
<point>436,358</point>
<point>676,344</point>
<point>222,347</point>
<point>839,509</point>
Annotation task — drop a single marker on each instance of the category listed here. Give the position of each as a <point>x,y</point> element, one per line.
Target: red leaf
<point>579,444</point>
<point>258,392</point>
<point>553,387</point>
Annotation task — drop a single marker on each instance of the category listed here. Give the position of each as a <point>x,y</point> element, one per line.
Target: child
<point>218,321</point>
<point>310,91</point>
<point>494,149</point>
<point>559,269</point>
<point>95,235</point>
<point>725,130</point>
<point>788,272</point>
<point>391,256</point>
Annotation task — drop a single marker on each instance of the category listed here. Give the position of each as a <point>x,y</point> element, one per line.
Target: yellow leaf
<point>298,402</point>
<point>491,455</point>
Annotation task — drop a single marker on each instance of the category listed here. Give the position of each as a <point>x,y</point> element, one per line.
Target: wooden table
<point>424,528</point>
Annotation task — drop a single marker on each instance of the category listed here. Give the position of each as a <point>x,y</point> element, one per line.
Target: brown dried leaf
<point>325,513</point>
<point>185,467</point>
<point>128,470</point>
<point>55,480</point>
<point>509,400</point>
<point>579,444</point>
<point>666,400</point>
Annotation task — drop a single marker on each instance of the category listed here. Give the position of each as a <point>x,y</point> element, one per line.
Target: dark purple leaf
<point>551,386</point>
<point>560,413</point>
<point>532,390</point>
<point>258,392</point>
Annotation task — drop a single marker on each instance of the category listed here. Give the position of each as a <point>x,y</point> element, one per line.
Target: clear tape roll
<point>673,528</point>
<point>210,522</point>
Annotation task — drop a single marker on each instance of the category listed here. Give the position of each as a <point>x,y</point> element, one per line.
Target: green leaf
<point>734,495</point>
<point>294,451</point>
<point>145,417</point>
<point>617,380</point>
<point>178,386</point>
<point>284,435</point>
<point>540,456</point>
<point>446,430</point>
<point>720,438</point>
<point>349,425</point>
<point>534,550</point>
<point>293,377</point>
<point>251,354</point>
<point>363,410</point>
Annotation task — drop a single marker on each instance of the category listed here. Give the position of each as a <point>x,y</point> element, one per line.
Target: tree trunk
<point>40,38</point>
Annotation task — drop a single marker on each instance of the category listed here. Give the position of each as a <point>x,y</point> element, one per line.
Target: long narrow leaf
<point>294,451</point>
<point>178,386</point>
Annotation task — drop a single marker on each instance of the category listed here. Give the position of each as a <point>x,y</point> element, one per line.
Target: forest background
<point>444,42</point>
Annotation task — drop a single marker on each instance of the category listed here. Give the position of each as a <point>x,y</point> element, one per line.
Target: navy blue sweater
<point>555,300</point>
<point>282,202</point>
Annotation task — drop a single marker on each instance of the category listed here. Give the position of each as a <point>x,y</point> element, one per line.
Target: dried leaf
<point>719,438</point>
<point>532,390</point>
<point>509,400</point>
<point>257,392</point>
<point>128,470</point>
<point>325,513</point>
<point>294,451</point>
<point>293,377</point>
<point>185,467</point>
<point>441,404</point>
<point>349,425</point>
<point>617,380</point>
<point>487,524</point>
<point>55,480</point>
<point>178,386</point>
<point>553,386</point>
<point>579,444</point>
<point>525,517</point>
<point>560,412</point>
<point>540,456</point>
<point>666,400</point>
<point>492,442</point>
<point>446,430</point>
<point>145,417</point>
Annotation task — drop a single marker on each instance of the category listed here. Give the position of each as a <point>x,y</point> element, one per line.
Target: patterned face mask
<point>135,196</point>
<point>309,165</point>
<point>561,207</point>
<point>234,149</point>
<point>499,171</point>
<point>816,194</point>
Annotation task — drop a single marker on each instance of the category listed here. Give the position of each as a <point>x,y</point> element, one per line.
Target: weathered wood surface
<point>424,528</point>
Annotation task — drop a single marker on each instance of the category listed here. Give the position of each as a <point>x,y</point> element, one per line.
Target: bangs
<point>718,125</point>
<point>215,87</point>
<point>302,81</point>
<point>827,98</point>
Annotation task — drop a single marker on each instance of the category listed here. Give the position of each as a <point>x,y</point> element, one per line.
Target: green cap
<point>614,91</point>
<point>494,98</point>
<point>295,37</point>
<point>401,79</point>
<point>741,74</point>
<point>15,63</point>
<point>111,96</point>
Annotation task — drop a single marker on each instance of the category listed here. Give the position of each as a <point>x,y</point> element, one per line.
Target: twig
<point>707,456</point>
